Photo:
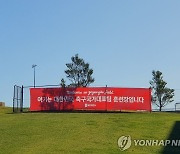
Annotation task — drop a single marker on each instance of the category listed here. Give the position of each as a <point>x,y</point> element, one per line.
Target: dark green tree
<point>79,73</point>
<point>161,95</point>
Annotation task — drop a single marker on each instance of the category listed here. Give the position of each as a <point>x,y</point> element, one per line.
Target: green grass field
<point>84,132</point>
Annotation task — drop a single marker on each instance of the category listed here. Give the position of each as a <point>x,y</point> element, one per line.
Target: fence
<point>21,99</point>
<point>18,99</point>
<point>177,107</point>
<point>171,106</point>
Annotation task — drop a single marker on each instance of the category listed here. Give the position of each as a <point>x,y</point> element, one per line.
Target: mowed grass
<point>82,132</point>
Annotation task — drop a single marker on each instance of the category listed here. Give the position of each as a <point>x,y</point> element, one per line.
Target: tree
<point>161,95</point>
<point>79,73</point>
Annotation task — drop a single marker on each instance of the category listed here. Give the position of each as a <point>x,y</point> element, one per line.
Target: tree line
<point>80,74</point>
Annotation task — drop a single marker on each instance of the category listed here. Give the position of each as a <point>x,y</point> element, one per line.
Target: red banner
<point>93,98</point>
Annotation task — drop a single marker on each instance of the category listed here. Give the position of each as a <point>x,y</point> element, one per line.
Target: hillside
<point>85,132</point>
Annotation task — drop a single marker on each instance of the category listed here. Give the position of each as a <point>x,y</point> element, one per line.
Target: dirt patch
<point>2,104</point>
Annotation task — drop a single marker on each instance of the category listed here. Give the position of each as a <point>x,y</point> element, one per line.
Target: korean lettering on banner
<point>58,99</point>
<point>92,96</point>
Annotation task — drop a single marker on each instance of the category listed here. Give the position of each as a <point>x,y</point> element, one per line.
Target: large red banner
<point>92,98</point>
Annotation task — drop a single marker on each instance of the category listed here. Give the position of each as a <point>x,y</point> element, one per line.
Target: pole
<point>34,67</point>
<point>14,98</point>
<point>34,77</point>
<point>106,98</point>
<point>21,108</point>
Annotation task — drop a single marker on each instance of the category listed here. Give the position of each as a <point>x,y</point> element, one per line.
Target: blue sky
<point>123,40</point>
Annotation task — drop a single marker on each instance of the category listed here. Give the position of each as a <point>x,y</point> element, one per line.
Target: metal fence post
<point>14,98</point>
<point>21,100</point>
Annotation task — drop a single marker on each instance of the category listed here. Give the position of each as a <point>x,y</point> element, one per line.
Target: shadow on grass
<point>78,111</point>
<point>10,111</point>
<point>86,111</point>
<point>174,137</point>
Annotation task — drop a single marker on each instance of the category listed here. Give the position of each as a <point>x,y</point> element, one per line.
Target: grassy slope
<point>80,132</point>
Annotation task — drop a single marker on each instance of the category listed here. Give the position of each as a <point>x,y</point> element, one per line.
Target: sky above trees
<point>123,41</point>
